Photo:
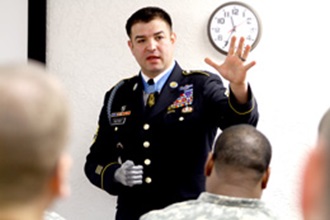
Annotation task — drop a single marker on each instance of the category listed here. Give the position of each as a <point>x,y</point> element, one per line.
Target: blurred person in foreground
<point>34,130</point>
<point>315,196</point>
<point>237,172</point>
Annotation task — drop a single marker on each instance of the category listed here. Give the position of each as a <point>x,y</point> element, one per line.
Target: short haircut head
<point>146,15</point>
<point>324,137</point>
<point>243,147</point>
<point>34,116</point>
<point>324,127</point>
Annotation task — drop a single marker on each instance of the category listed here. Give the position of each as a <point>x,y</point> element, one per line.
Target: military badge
<point>119,145</point>
<point>185,99</point>
<point>119,118</point>
<point>173,84</point>
<point>187,109</point>
<point>120,114</point>
<point>118,121</point>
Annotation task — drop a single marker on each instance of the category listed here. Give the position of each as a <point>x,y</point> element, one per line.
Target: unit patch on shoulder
<point>190,72</point>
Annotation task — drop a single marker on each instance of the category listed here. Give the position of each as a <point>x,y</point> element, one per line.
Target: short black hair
<point>146,15</point>
<point>243,146</point>
<point>324,126</point>
<point>324,135</point>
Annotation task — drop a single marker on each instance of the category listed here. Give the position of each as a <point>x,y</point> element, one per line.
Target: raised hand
<point>233,69</point>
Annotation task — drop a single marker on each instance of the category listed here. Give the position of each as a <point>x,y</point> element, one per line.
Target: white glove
<point>128,174</point>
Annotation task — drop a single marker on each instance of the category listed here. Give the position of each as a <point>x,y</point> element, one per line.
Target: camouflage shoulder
<point>193,72</point>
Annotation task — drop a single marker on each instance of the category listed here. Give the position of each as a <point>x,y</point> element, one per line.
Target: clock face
<point>233,19</point>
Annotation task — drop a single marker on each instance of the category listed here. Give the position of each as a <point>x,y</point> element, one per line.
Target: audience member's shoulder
<point>52,216</point>
<point>174,211</point>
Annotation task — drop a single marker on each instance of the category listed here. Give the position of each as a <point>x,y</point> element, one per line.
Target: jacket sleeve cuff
<point>108,182</point>
<point>241,109</point>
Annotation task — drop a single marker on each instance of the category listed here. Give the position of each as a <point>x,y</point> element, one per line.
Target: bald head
<point>243,146</point>
<point>34,128</point>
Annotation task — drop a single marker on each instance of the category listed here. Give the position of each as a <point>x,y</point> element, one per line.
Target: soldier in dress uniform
<point>157,128</point>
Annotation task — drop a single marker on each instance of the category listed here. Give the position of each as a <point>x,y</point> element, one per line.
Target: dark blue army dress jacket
<point>171,142</point>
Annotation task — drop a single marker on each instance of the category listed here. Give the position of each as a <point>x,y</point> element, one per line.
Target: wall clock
<point>233,18</point>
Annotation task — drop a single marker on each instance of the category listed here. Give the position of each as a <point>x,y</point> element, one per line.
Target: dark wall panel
<point>37,30</point>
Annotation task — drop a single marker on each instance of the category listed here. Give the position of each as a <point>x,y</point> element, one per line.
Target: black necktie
<point>152,98</point>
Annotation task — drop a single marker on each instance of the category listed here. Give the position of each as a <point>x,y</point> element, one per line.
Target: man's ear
<point>130,44</point>
<point>209,164</point>
<point>60,183</point>
<point>265,178</point>
<point>173,37</point>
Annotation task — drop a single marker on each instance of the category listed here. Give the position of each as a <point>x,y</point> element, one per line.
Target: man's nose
<point>151,45</point>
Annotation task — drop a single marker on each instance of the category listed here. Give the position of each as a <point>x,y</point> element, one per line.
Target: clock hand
<point>234,26</point>
<point>240,23</point>
<point>232,21</point>
<point>227,41</point>
<point>231,31</point>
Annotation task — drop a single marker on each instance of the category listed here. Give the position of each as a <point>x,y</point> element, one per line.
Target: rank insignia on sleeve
<point>98,169</point>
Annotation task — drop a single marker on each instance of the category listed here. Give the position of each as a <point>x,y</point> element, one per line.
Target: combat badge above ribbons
<point>184,100</point>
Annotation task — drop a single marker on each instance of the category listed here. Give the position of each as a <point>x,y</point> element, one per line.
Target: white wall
<point>13,29</point>
<point>87,48</point>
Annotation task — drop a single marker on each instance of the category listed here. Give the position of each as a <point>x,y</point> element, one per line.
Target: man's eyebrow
<point>143,36</point>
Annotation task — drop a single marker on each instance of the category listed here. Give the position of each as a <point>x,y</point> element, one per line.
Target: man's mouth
<point>151,58</point>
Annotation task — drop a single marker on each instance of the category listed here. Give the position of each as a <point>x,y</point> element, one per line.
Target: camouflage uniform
<point>210,206</point>
<point>52,216</point>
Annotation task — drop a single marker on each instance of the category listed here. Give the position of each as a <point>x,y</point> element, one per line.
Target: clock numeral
<point>220,20</point>
<point>216,29</point>
<point>226,13</point>
<point>253,29</point>
<point>248,20</point>
<point>250,38</point>
<point>235,11</point>
<point>218,37</point>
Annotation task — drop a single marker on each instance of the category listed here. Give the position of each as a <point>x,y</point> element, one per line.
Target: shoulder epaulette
<point>190,72</point>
